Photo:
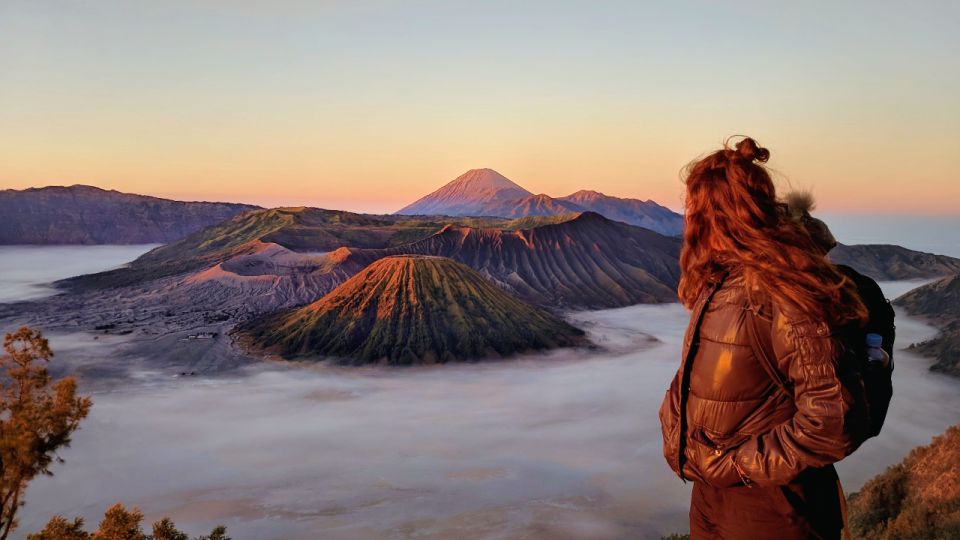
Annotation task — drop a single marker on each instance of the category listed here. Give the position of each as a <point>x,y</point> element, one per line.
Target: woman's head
<point>733,219</point>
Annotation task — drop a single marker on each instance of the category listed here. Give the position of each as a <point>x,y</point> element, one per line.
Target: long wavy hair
<point>733,219</point>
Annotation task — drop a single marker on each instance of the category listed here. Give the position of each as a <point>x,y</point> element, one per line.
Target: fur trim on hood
<point>799,203</point>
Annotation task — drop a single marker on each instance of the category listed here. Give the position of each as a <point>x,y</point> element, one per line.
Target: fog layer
<point>25,271</point>
<point>562,445</point>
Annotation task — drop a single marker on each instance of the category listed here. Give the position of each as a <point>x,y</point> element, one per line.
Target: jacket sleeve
<point>831,417</point>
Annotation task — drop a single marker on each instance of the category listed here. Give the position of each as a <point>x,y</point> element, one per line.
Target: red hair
<point>733,219</point>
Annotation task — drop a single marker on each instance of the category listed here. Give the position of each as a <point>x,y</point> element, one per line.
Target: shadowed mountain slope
<point>306,231</point>
<point>89,215</point>
<point>587,261</point>
<point>296,229</point>
<point>939,303</point>
<point>885,262</point>
<point>647,214</point>
<point>534,205</point>
<point>573,260</point>
<point>267,260</point>
<point>411,310</point>
<point>916,499</point>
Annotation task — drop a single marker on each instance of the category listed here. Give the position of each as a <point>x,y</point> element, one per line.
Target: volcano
<point>468,195</point>
<point>485,192</point>
<point>582,262</point>
<point>411,309</point>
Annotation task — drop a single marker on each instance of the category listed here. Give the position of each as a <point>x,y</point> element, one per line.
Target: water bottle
<point>875,353</point>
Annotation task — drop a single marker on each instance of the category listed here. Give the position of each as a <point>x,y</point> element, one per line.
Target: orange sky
<point>368,106</point>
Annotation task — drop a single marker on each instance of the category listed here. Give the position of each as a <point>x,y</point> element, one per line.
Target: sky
<point>368,105</point>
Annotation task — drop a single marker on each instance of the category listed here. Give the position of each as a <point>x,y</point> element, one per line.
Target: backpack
<point>877,381</point>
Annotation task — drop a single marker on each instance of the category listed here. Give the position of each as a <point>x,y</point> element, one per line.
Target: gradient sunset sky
<point>368,105</point>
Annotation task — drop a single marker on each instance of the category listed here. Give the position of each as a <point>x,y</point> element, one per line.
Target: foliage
<point>166,530</point>
<point>58,528</point>
<point>218,533</point>
<point>37,418</point>
<point>119,524</point>
<point>916,499</point>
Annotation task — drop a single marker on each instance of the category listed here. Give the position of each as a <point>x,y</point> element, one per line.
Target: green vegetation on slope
<point>588,261</point>
<point>410,310</point>
<point>298,229</point>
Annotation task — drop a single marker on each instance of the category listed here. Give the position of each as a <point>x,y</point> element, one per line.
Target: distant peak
<point>487,178</point>
<point>467,194</point>
<point>587,195</point>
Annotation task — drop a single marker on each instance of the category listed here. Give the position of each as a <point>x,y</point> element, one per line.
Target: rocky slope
<point>215,280</point>
<point>306,230</point>
<point>887,262</point>
<point>919,498</point>
<point>939,303</point>
<point>587,261</point>
<point>411,310</point>
<point>484,192</point>
<point>533,205</point>
<point>89,215</point>
<point>276,259</point>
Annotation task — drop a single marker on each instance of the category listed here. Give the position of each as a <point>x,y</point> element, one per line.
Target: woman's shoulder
<point>733,290</point>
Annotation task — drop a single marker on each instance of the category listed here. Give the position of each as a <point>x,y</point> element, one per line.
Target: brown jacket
<point>726,423</point>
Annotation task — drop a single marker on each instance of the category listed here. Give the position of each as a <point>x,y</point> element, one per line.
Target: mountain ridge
<point>501,197</point>
<point>84,214</point>
<point>888,262</point>
<point>602,263</point>
<point>938,303</point>
<point>298,229</point>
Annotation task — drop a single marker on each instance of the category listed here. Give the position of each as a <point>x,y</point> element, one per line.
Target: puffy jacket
<point>726,423</point>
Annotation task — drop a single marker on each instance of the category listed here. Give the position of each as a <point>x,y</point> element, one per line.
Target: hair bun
<point>749,150</point>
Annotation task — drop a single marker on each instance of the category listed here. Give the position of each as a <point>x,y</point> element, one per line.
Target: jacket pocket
<point>718,444</point>
<point>710,458</point>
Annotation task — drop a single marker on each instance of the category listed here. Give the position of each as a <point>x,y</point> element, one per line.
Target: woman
<point>765,399</point>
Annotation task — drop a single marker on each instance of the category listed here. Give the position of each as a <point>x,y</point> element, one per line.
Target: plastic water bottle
<point>875,353</point>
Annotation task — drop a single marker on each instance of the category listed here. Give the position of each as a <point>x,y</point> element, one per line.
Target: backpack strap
<point>760,352</point>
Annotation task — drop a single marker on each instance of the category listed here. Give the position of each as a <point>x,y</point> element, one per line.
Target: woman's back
<point>731,394</point>
<point>765,399</point>
<point>760,453</point>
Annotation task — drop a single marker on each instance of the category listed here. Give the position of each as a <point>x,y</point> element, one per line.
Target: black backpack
<point>878,381</point>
